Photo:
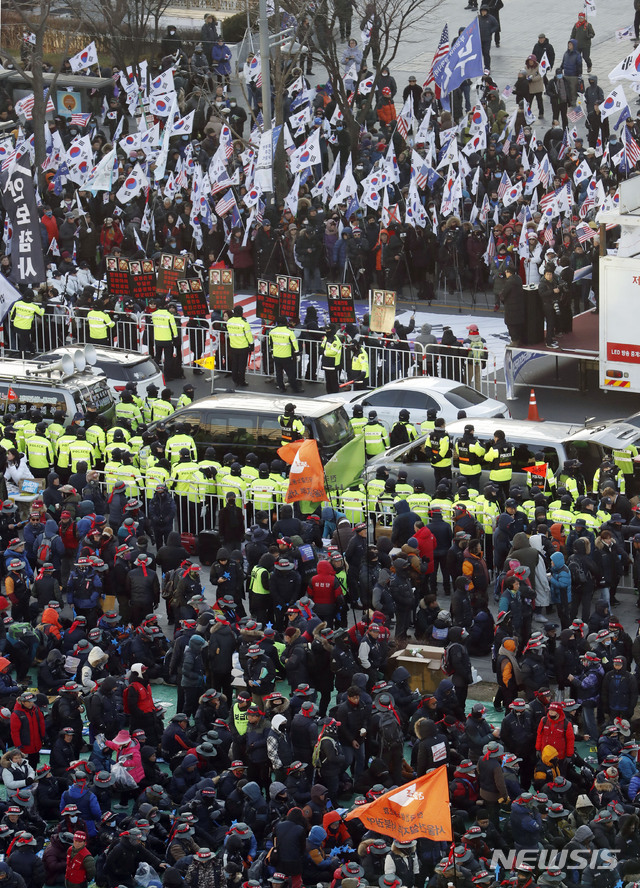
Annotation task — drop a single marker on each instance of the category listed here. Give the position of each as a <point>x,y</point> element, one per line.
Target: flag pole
<point>328,493</point>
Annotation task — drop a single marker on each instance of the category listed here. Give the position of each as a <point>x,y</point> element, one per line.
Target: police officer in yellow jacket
<point>358,421</point>
<point>292,428</point>
<point>165,332</point>
<point>127,409</point>
<point>441,451</point>
<point>376,437</point>
<point>500,458</point>
<point>331,349</point>
<point>470,452</point>
<point>23,313</point>
<point>284,346</point>
<point>359,372</point>
<point>240,339</point>
<point>100,323</point>
<point>40,452</point>
<point>186,398</point>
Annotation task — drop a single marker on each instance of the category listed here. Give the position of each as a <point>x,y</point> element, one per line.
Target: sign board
<point>221,289</point>
<point>192,298</point>
<point>619,365</point>
<point>340,303</point>
<point>289,293</point>
<point>383,311</point>
<point>134,278</point>
<point>170,270</point>
<point>267,301</point>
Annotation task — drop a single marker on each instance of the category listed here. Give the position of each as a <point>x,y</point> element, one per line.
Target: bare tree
<point>123,25</point>
<point>31,67</point>
<point>392,24</point>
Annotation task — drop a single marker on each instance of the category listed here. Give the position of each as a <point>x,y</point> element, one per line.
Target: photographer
<point>549,291</point>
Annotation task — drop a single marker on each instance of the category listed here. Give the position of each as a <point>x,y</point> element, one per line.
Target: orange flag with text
<point>306,475</point>
<point>416,810</point>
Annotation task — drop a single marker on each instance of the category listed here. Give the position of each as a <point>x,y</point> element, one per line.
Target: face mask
<point>73,819</point>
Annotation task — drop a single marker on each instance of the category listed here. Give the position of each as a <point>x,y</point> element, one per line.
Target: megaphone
<point>65,365</point>
<point>79,360</point>
<point>90,355</point>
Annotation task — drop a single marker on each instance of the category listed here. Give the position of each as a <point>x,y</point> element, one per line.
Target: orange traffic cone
<point>533,415</point>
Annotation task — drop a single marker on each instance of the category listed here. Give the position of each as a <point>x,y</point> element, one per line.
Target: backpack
<point>44,551</point>
<point>445,665</point>
<point>389,730</point>
<point>21,632</point>
<point>578,573</point>
<point>170,584</point>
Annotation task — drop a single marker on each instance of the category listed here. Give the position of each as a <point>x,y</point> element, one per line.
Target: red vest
<point>145,697</point>
<point>75,872</point>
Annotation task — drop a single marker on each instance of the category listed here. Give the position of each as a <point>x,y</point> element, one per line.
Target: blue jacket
<point>57,546</point>
<point>572,61</point>
<point>87,803</point>
<point>627,768</point>
<point>10,554</point>
<point>83,589</point>
<point>526,824</point>
<point>560,579</point>
<point>587,686</point>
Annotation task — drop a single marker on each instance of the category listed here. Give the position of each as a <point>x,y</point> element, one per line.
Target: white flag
<point>582,173</point>
<point>347,187</point>
<point>163,84</point>
<point>84,59</point>
<point>183,126</point>
<point>101,176</point>
<point>544,63</point>
<point>132,185</point>
<point>629,67</point>
<point>308,154</point>
<point>291,200</point>
<point>614,103</point>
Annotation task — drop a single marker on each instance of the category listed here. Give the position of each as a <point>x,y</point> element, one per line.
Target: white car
<point>422,393</point>
<point>121,367</point>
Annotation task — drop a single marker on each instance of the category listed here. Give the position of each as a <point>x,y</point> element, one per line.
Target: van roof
<point>521,429</point>
<point>105,355</point>
<point>251,402</point>
<point>26,372</point>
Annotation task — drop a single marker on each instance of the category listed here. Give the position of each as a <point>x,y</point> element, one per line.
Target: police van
<point>557,441</point>
<point>51,382</point>
<point>120,367</point>
<point>248,423</point>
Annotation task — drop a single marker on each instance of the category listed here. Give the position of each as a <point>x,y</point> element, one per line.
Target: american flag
<point>506,146</point>
<point>574,114</point>
<point>504,186</point>
<point>490,252</point>
<point>25,106</point>
<point>441,52</point>
<point>80,119</point>
<point>225,204</point>
<point>260,214</point>
<point>507,92</point>
<point>548,235</point>
<point>631,148</point>
<point>587,204</point>
<point>521,140</point>
<point>584,232</point>
<point>564,147</point>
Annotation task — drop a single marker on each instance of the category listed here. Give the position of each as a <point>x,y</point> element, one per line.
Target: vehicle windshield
<point>333,428</point>
<point>128,372</point>
<point>462,397</point>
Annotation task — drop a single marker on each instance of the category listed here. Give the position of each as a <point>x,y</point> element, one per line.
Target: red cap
<point>79,837</point>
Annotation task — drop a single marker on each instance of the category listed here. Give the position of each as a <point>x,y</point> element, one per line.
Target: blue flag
<point>463,61</point>
<point>352,205</point>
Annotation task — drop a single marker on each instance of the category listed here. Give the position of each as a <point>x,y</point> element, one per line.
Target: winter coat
<point>193,671</point>
<point>526,825</point>
<point>560,580</point>
<point>619,693</point>
<point>88,807</point>
<point>557,733</point>
<point>572,61</point>
<point>27,728</point>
